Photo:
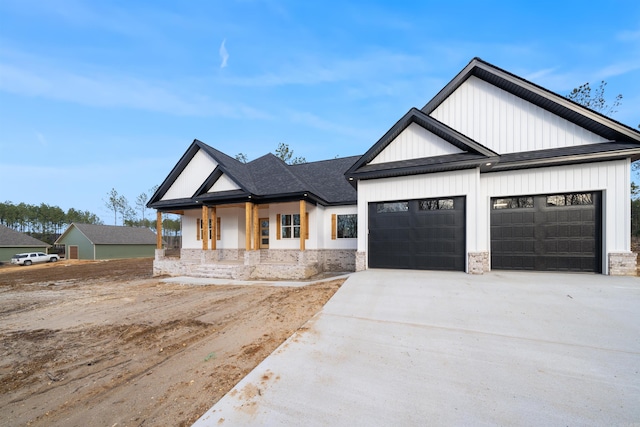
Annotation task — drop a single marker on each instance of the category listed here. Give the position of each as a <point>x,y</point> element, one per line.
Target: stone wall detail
<point>361,261</point>
<point>479,262</point>
<point>266,264</point>
<point>623,263</point>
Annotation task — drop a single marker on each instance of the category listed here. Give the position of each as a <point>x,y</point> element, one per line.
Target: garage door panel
<point>430,233</point>
<point>557,236</point>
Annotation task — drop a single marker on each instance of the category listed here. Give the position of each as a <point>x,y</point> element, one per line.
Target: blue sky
<point>97,95</point>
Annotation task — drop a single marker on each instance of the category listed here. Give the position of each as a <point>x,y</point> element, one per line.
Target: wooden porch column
<point>303,224</point>
<point>158,230</point>
<point>256,227</point>
<point>205,228</point>
<point>214,226</point>
<point>248,207</point>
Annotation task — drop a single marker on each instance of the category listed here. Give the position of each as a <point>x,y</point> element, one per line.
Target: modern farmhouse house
<point>494,172</point>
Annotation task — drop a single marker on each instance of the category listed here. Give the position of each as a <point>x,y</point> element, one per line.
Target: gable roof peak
<point>559,105</point>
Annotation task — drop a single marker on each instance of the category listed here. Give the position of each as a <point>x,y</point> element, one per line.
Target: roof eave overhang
<point>168,205</point>
<point>289,197</point>
<point>418,170</point>
<point>213,200</point>
<point>563,160</point>
<point>25,246</point>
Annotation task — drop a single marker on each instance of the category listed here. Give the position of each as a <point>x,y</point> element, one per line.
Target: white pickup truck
<point>32,258</point>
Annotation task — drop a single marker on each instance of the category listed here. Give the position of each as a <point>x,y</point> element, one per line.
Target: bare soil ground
<point>86,343</point>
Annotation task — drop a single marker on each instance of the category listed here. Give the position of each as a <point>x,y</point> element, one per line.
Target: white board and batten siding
<point>223,183</point>
<point>506,123</point>
<point>193,175</point>
<point>445,184</point>
<point>413,143</point>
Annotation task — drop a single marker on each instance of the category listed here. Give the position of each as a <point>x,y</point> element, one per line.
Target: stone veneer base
<point>623,263</point>
<point>263,264</point>
<point>479,262</point>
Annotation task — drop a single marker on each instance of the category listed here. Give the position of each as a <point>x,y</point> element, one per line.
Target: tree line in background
<point>44,222</point>
<point>119,205</point>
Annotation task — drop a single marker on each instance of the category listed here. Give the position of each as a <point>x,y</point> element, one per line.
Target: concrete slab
<point>441,348</point>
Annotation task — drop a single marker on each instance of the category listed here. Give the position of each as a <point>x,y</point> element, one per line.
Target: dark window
<point>347,226</point>
<point>513,203</point>
<point>291,226</point>
<point>392,207</point>
<point>435,204</point>
<point>576,199</point>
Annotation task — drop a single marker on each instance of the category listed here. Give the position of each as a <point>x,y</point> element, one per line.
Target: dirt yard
<point>86,343</point>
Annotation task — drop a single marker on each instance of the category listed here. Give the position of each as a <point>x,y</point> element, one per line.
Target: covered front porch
<point>257,260</point>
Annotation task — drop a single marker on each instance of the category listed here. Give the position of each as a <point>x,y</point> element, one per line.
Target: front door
<point>264,233</point>
<point>73,252</point>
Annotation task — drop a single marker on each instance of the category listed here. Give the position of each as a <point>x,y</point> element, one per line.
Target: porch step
<point>220,271</point>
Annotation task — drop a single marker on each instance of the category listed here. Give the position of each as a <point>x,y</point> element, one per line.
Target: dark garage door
<point>558,232</point>
<point>426,234</point>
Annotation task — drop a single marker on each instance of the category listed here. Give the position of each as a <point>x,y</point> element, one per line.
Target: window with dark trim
<point>435,204</point>
<point>387,207</point>
<point>513,203</point>
<point>347,226</point>
<point>575,199</point>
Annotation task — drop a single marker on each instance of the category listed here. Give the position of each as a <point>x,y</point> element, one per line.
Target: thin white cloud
<point>224,55</point>
<point>111,91</point>
<point>619,68</point>
<point>628,35</point>
<point>312,70</point>
<point>41,139</point>
<point>314,121</point>
<point>540,74</point>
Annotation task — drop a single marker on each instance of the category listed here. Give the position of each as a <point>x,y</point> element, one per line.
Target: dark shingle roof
<point>12,238</point>
<point>326,179</point>
<point>115,235</point>
<point>266,178</point>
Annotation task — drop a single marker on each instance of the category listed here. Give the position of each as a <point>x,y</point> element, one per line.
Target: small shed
<point>91,241</point>
<point>13,242</point>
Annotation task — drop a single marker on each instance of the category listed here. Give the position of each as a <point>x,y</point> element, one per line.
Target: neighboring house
<point>262,219</point>
<point>91,241</point>
<point>494,172</point>
<point>13,242</point>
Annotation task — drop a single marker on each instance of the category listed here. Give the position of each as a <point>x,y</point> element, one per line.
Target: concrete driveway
<point>413,348</point>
